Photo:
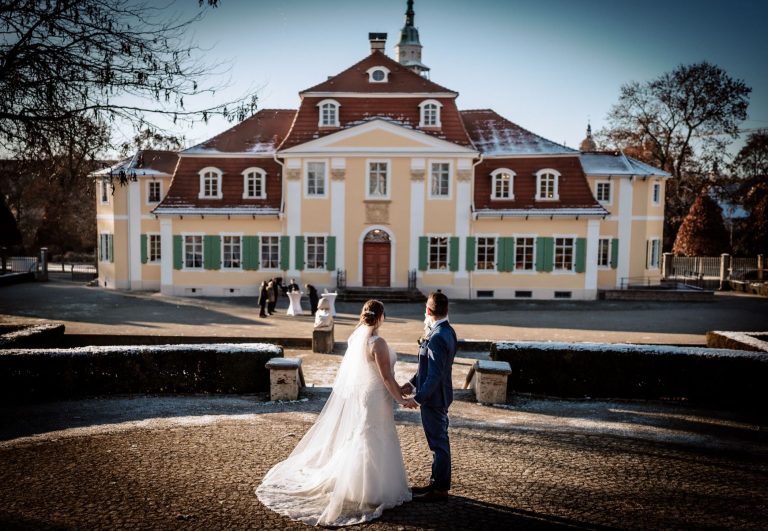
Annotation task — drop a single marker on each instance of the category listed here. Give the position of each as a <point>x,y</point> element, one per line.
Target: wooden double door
<point>376,264</point>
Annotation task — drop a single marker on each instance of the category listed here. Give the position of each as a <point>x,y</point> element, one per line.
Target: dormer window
<point>378,74</point>
<point>547,185</point>
<point>503,182</point>
<point>210,183</point>
<point>430,113</point>
<point>329,113</point>
<point>254,180</point>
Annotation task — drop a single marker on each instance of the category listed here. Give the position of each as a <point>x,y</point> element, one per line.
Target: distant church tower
<point>408,50</point>
<point>588,144</point>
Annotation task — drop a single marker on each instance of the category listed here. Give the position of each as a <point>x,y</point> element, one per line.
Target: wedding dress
<point>348,467</point>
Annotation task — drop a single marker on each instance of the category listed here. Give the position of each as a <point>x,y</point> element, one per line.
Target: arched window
<point>210,183</point>
<point>378,74</point>
<point>329,113</point>
<point>503,184</point>
<point>254,183</point>
<point>547,185</point>
<point>430,113</point>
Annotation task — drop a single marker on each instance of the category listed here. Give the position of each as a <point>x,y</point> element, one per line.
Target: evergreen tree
<point>702,232</point>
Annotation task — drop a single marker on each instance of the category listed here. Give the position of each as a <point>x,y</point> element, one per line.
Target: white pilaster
<point>293,197</point>
<point>463,217</point>
<point>417,212</point>
<point>134,235</point>
<point>166,256</point>
<point>590,273</point>
<point>625,228</point>
<point>338,208</point>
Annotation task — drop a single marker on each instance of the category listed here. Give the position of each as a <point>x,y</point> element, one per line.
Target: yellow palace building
<point>378,180</point>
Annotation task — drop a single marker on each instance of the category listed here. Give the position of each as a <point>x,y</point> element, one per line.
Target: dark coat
<point>433,382</point>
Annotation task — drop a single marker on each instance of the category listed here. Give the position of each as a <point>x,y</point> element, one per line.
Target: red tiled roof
<point>355,79</point>
<point>573,188</point>
<point>261,133</point>
<point>492,134</point>
<point>156,160</point>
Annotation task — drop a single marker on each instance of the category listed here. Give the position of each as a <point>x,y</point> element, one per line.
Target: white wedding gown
<point>349,466</point>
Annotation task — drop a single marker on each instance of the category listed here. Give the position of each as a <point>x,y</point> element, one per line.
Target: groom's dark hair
<point>438,304</point>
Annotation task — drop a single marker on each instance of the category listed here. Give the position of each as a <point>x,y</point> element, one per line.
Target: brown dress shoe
<point>421,490</point>
<point>432,496</point>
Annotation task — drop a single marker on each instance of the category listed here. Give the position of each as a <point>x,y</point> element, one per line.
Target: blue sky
<point>548,65</point>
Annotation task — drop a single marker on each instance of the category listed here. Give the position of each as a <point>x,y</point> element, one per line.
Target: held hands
<point>407,402</point>
<point>410,403</point>
<point>406,389</point>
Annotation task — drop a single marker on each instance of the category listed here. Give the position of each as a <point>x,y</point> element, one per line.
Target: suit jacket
<point>433,383</point>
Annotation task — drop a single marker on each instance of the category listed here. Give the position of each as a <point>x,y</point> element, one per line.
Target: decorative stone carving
<point>338,174</point>
<point>377,213</point>
<point>293,174</point>
<point>464,174</point>
<point>417,174</point>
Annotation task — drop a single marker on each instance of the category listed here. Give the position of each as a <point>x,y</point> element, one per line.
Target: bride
<point>349,466</point>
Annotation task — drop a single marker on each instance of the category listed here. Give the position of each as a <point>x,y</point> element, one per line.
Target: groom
<point>434,393</point>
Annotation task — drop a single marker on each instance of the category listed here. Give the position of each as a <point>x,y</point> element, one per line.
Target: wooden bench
<point>285,378</point>
<point>488,379</point>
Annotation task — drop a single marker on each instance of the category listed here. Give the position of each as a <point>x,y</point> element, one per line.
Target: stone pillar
<point>489,381</point>
<point>725,270</point>
<point>285,378</point>
<point>42,273</point>
<point>666,265</point>
<point>322,340</point>
<point>760,266</point>
<point>3,252</point>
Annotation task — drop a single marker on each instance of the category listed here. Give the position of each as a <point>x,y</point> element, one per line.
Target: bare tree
<point>681,122</point>
<point>99,60</point>
<point>749,188</point>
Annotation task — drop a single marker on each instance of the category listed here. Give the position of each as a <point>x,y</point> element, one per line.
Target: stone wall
<point>50,374</point>
<point>728,378</point>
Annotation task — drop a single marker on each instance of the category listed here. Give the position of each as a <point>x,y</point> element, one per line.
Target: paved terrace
<point>192,462</point>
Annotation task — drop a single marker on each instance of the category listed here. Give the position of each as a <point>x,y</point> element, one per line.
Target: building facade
<point>378,176</point>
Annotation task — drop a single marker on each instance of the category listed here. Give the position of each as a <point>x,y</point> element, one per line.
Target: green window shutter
<point>581,255</point>
<point>100,248</point>
<point>330,253</point>
<point>470,253</point>
<point>212,252</point>
<point>143,248</point>
<point>285,252</point>
<point>250,252</point>
<point>178,251</point>
<point>545,249</point>
<point>500,254</point>
<point>614,253</point>
<point>453,253</point>
<point>509,254</point>
<point>423,252</point>
<point>300,253</point>
<point>111,247</point>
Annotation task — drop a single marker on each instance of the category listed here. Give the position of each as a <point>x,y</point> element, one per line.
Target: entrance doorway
<point>376,259</point>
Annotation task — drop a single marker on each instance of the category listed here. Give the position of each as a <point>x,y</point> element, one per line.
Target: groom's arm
<point>436,356</point>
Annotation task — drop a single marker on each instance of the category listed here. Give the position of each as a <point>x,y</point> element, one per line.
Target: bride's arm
<point>381,356</point>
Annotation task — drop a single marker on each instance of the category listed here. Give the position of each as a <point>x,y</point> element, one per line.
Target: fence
<point>42,268</point>
<point>75,271</point>
<point>712,272</point>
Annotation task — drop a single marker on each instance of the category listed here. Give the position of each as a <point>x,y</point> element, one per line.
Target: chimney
<point>378,41</point>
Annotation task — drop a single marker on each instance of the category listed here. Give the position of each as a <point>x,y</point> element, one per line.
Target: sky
<point>550,66</point>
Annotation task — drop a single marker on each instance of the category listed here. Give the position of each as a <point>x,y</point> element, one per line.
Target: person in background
<point>313,298</point>
<point>293,286</point>
<point>271,296</point>
<point>263,299</point>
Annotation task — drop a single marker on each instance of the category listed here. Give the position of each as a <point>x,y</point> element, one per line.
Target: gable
<point>378,135</point>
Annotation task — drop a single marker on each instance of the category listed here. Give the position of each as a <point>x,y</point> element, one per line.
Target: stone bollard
<point>489,381</point>
<point>285,378</point>
<point>322,340</point>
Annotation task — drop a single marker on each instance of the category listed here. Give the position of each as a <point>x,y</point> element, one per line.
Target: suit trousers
<point>435,423</point>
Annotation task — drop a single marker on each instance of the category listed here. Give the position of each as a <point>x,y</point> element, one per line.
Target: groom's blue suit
<point>434,393</point>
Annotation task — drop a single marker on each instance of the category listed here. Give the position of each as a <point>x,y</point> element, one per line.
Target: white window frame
<point>532,270</point>
<point>373,69</point>
<point>307,164</point>
<point>262,267</point>
<point>322,120</point>
<point>184,236</point>
<point>447,253</point>
<point>154,236</point>
<point>104,238</point>
<point>539,177</point>
<point>496,176</point>
<point>148,190</point>
<point>324,262</point>
<point>653,259</point>
<point>656,193</point>
<point>387,179</point>
<point>609,201</point>
<point>423,114</point>
<point>104,192</point>
<point>450,180</point>
<point>601,241</point>
<point>561,271</point>
<point>495,238</point>
<point>223,235</point>
<point>202,173</point>
<point>256,174</point>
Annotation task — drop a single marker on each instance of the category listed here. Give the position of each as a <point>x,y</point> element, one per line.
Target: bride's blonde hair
<point>371,313</point>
